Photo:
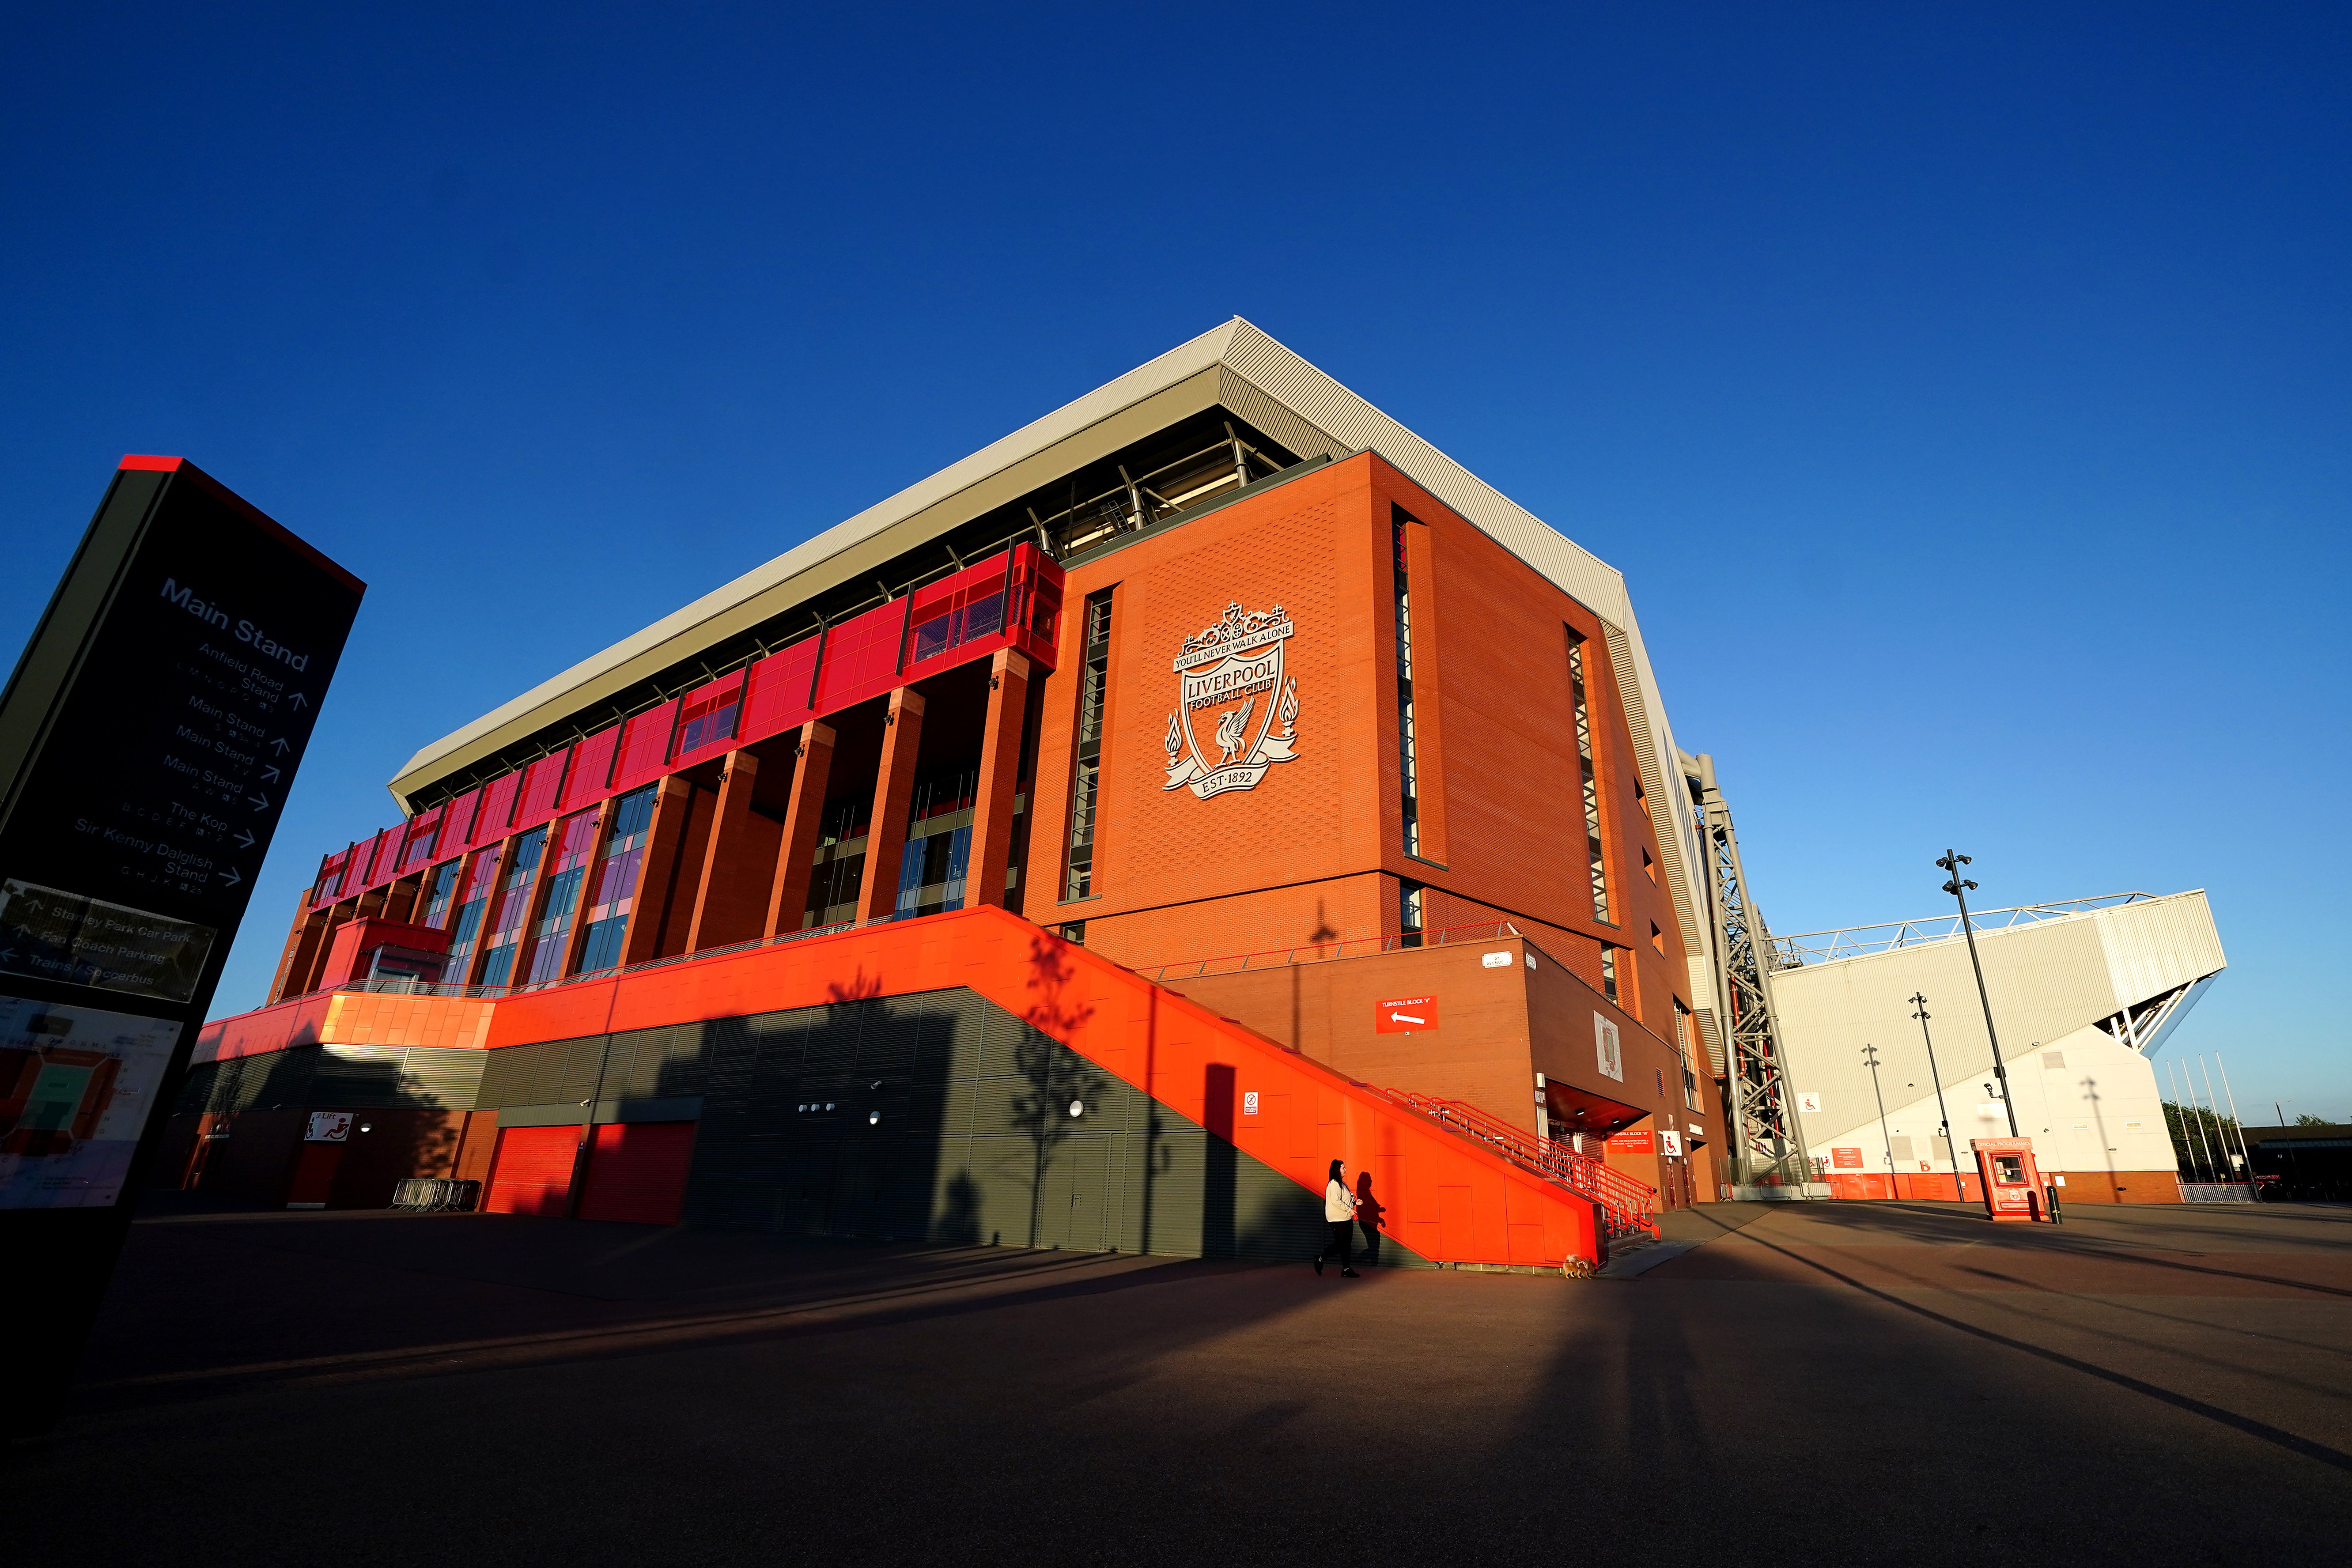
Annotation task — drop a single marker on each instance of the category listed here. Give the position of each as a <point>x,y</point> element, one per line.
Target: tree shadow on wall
<point>1057,1080</point>
<point>1050,977</point>
<point>1058,1076</point>
<point>858,987</point>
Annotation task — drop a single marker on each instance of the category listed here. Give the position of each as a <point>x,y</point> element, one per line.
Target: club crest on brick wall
<point>1232,692</point>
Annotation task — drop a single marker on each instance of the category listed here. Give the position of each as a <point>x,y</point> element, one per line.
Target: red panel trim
<point>134,463</point>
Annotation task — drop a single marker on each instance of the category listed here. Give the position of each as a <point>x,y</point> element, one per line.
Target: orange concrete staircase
<point>1450,1199</point>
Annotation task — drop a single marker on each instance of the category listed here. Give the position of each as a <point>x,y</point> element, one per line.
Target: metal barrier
<point>2216,1193</point>
<point>436,1195</point>
<point>1630,1206</point>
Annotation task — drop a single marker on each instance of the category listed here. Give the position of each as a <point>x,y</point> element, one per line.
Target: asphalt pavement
<point>1830,1382</point>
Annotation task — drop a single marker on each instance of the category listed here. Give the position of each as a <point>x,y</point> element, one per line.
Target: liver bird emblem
<point>1232,731</point>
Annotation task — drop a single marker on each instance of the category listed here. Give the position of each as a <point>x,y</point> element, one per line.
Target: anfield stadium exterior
<point>1214,696</point>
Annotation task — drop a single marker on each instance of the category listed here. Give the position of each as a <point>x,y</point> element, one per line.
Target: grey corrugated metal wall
<point>938,1117</point>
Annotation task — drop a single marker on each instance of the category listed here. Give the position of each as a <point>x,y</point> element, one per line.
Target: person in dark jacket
<point>1340,1217</point>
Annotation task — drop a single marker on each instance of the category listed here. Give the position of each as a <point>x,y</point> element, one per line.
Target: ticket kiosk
<point>2012,1181</point>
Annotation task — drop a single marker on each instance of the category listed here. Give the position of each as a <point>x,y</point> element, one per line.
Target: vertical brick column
<point>1000,769</point>
<point>894,792</point>
<point>301,949</point>
<point>804,819</point>
<point>731,897</point>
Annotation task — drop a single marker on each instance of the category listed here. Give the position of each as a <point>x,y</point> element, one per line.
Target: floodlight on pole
<point>1951,1144</point>
<point>1959,888</point>
<point>1870,1055</point>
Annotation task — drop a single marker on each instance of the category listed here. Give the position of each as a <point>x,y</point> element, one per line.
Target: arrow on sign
<point>269,773</point>
<point>233,878</point>
<point>260,803</point>
<point>300,701</point>
<point>9,956</point>
<point>244,839</point>
<point>279,745</point>
<point>1405,1018</point>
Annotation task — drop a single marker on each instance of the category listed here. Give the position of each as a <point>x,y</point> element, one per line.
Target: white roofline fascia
<point>1985,933</point>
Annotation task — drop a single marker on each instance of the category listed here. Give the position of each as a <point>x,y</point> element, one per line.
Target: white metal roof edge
<point>1991,934</point>
<point>1154,375</point>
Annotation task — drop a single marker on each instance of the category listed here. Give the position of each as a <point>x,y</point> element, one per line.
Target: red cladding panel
<point>137,464</point>
<point>386,854</point>
<point>355,863</point>
<point>965,609</point>
<point>1039,618</point>
<point>532,1170</point>
<point>861,658</point>
<point>542,785</point>
<point>457,823</point>
<point>591,769</point>
<point>330,878</point>
<point>706,719</point>
<point>497,808</point>
<point>776,697</point>
<point>645,747</point>
<point>424,837</point>
<point>637,1171</point>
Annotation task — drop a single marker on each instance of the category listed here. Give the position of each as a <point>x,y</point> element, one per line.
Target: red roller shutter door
<point>532,1172</point>
<point>637,1171</point>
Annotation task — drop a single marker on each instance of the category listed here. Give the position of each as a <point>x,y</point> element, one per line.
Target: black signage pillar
<point>147,740</point>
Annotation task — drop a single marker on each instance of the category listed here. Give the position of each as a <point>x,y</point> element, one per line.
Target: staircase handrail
<point>1630,1204</point>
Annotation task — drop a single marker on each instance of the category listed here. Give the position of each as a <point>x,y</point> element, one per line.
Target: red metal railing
<point>1631,1206</point>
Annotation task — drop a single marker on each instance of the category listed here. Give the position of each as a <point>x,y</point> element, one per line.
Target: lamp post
<point>1958,888</point>
<point>1952,1145</point>
<point>1870,1055</point>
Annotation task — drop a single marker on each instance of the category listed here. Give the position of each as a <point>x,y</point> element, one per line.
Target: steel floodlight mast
<point>1765,1134</point>
<point>1951,1144</point>
<point>1959,888</point>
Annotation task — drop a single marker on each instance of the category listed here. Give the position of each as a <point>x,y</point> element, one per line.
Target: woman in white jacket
<point>1339,1218</point>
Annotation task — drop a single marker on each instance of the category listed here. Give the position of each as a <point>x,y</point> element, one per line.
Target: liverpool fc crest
<point>1232,691</point>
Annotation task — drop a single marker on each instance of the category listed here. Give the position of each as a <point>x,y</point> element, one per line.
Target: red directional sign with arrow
<point>1405,1015</point>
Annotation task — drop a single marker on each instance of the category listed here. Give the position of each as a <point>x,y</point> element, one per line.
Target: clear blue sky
<point>1963,390</point>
